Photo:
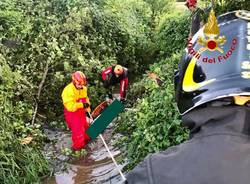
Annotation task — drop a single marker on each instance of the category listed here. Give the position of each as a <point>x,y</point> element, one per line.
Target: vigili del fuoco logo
<point>211,42</point>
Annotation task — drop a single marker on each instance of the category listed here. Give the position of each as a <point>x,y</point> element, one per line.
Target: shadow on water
<point>95,167</point>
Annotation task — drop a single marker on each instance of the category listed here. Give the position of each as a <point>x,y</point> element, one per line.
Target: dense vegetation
<point>223,6</point>
<point>43,42</point>
<point>153,123</point>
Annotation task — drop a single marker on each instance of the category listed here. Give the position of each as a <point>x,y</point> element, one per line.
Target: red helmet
<point>190,3</point>
<point>78,78</point>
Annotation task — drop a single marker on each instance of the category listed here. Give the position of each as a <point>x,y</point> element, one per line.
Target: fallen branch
<point>39,91</point>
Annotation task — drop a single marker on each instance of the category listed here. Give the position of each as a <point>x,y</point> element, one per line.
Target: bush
<point>22,165</point>
<point>153,123</point>
<point>231,5</point>
<point>224,6</point>
<point>172,33</point>
<point>19,163</point>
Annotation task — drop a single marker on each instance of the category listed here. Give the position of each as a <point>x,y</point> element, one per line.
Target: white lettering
<point>245,65</point>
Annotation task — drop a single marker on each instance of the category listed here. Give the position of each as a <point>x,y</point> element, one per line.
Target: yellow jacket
<point>71,95</point>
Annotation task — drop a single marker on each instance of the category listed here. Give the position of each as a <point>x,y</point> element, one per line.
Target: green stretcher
<point>103,120</point>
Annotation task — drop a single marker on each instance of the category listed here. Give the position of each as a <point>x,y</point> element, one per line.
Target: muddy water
<point>95,167</point>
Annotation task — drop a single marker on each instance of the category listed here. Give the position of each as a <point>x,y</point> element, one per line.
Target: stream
<point>95,167</point>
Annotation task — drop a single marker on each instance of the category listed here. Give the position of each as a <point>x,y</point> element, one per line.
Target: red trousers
<point>78,125</point>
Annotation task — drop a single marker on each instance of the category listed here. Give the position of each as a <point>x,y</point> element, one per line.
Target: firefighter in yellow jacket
<point>76,103</point>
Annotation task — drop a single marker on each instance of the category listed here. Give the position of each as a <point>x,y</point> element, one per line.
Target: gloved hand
<point>123,100</point>
<point>85,105</point>
<point>89,120</point>
<point>109,100</point>
<point>110,96</point>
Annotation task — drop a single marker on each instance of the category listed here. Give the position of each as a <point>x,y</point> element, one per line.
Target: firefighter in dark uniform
<point>213,99</point>
<point>197,15</point>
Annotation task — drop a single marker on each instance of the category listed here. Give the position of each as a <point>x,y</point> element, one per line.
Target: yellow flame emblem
<point>211,31</point>
<point>211,27</point>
